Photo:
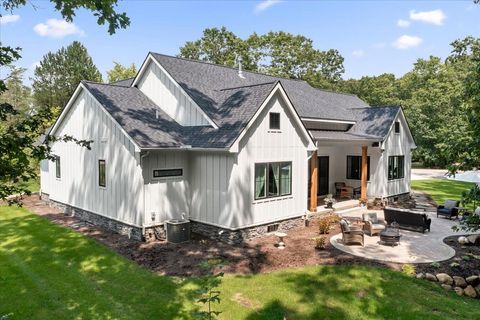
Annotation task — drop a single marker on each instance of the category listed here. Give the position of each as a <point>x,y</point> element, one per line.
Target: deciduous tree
<point>120,72</point>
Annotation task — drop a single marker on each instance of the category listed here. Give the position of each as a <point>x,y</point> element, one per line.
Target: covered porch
<point>346,169</point>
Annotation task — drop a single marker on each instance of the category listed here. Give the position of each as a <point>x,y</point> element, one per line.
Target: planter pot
<point>329,205</point>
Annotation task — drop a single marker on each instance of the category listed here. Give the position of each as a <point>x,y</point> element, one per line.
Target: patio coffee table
<point>390,236</point>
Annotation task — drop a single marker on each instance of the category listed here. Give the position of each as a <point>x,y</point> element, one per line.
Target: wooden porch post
<point>314,182</point>
<point>363,195</point>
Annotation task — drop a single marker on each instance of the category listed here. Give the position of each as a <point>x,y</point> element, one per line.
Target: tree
<point>275,53</point>
<point>120,72</point>
<point>16,93</point>
<point>379,90</point>
<point>59,73</point>
<point>18,135</point>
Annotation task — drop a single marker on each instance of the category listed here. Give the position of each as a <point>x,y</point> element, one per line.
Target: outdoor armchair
<point>372,225</point>
<point>351,235</point>
<point>449,209</point>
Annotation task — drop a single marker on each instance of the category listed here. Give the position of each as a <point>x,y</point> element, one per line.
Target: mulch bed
<point>258,255</point>
<point>465,263</point>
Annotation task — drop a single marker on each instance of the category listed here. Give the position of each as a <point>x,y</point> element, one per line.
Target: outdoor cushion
<point>444,210</point>
<point>477,212</point>
<point>378,226</point>
<point>449,204</point>
<point>372,217</point>
<point>345,225</point>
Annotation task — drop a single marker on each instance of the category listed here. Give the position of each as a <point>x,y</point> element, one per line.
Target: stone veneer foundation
<point>158,232</point>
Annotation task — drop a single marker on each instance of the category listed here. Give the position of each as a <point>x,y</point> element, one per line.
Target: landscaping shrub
<point>326,222</point>
<point>320,242</point>
<point>409,269</point>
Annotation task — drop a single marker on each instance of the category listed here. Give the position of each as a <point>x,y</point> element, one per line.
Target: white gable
<point>156,84</point>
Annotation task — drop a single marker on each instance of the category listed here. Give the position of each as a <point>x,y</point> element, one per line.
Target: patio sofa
<point>407,219</point>
<point>449,209</point>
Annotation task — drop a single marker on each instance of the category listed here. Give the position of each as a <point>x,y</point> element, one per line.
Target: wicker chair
<point>338,188</point>
<point>350,234</point>
<point>449,209</point>
<point>372,225</point>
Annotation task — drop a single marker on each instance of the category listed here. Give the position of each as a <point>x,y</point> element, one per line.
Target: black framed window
<point>58,169</point>
<point>396,167</point>
<point>102,174</point>
<point>274,120</point>
<point>166,173</point>
<point>273,179</point>
<point>354,167</point>
<point>397,127</point>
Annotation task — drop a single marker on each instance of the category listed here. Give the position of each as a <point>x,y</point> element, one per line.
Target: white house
<point>234,152</point>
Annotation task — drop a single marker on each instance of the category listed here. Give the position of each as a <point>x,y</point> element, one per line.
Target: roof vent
<point>239,61</point>
<point>156,114</point>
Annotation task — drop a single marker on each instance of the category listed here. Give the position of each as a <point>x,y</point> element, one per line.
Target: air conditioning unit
<point>177,230</point>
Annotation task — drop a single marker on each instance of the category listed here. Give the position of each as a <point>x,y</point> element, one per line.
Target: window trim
<point>398,177</point>
<point>270,121</point>
<point>396,127</point>
<point>360,168</point>
<point>167,177</point>
<point>267,177</point>
<point>58,167</point>
<point>100,161</point>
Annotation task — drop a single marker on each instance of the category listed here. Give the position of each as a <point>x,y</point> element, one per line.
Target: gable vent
<point>239,62</point>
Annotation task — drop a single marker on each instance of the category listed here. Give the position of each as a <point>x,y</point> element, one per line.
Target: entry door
<point>323,169</point>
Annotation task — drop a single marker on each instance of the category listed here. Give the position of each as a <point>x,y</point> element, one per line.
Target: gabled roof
<point>150,127</point>
<point>203,81</point>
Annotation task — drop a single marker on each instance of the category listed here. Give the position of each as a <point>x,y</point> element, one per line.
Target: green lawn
<point>441,189</point>
<point>49,272</point>
<point>32,185</point>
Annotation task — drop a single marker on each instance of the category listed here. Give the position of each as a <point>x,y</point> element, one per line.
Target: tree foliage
<point>59,73</point>
<point>277,53</point>
<point>21,126</point>
<point>120,72</point>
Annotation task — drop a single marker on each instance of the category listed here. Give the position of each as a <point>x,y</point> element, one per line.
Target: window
<point>273,227</point>
<point>396,167</point>
<point>354,167</point>
<point>397,127</point>
<point>58,171</point>
<point>275,120</point>
<point>273,179</point>
<point>102,174</point>
<point>166,173</point>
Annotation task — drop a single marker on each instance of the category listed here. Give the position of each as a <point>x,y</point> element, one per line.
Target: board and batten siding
<point>222,184</point>
<point>397,144</point>
<point>122,198</point>
<point>156,85</point>
<point>167,197</point>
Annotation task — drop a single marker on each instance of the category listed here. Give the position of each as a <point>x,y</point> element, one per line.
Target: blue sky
<point>373,36</point>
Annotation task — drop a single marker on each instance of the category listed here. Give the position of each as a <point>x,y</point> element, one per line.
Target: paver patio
<point>414,247</point>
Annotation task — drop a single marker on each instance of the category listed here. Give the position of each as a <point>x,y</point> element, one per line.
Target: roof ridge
<point>336,92</point>
<point>228,67</point>
<point>105,84</point>
<point>250,85</point>
<point>121,80</point>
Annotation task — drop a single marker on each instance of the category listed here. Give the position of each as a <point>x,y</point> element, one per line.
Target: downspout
<point>144,208</point>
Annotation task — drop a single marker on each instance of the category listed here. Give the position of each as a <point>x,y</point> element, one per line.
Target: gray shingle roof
<point>202,81</point>
<point>137,114</point>
<point>231,102</point>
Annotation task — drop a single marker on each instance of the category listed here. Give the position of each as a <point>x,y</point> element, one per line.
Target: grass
<point>33,185</point>
<point>50,272</point>
<point>441,189</point>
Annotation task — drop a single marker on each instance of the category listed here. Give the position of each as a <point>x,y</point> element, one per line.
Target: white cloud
<point>55,28</point>
<point>9,18</point>
<point>403,23</point>
<point>265,4</point>
<point>405,42</point>
<point>358,53</point>
<point>434,17</point>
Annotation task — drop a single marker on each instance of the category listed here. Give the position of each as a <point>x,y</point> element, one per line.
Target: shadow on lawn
<point>51,272</point>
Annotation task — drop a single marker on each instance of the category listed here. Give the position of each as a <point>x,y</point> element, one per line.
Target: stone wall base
<point>239,236</point>
<point>119,227</point>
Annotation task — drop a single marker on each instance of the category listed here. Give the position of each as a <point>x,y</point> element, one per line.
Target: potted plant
<point>329,201</point>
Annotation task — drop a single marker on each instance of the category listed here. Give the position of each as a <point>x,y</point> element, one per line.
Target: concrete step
<point>344,205</point>
<point>356,210</point>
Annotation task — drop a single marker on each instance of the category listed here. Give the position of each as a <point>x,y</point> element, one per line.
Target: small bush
<point>466,258</point>
<point>435,265</point>
<point>320,242</point>
<point>454,265</point>
<point>325,223</point>
<point>409,269</point>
